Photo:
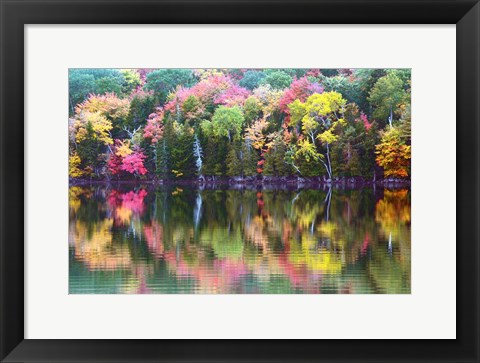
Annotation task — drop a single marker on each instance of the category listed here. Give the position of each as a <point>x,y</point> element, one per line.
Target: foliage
<point>275,158</point>
<point>153,130</point>
<point>387,96</point>
<point>252,109</point>
<point>74,162</point>
<point>277,79</point>
<point>142,104</point>
<point>132,81</point>
<point>133,163</point>
<point>252,79</point>
<point>226,122</point>
<point>128,158</point>
<point>164,81</point>
<point>393,155</point>
<point>84,81</point>
<point>183,123</point>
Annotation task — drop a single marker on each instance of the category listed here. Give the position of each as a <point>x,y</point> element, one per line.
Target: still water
<point>178,239</point>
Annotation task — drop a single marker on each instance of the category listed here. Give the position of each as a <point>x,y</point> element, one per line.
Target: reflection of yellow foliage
<point>73,198</point>
<point>327,229</point>
<point>123,214</point>
<point>177,189</point>
<point>94,247</point>
<point>74,204</point>
<point>74,194</point>
<point>306,213</point>
<point>315,258</point>
<point>255,232</point>
<point>393,212</point>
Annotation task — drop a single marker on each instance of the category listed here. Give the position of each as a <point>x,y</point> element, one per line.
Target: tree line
<point>194,123</point>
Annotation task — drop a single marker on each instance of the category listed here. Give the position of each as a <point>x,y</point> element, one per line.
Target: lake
<point>180,239</point>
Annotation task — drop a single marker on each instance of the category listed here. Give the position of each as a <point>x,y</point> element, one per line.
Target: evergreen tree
<point>249,159</point>
<point>163,152</point>
<point>275,164</point>
<point>234,162</point>
<point>183,160</point>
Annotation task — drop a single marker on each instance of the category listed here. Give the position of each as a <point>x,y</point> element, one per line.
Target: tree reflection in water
<point>184,240</point>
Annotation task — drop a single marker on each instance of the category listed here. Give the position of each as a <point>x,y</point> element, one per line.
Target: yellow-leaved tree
<point>90,132</point>
<point>319,119</point>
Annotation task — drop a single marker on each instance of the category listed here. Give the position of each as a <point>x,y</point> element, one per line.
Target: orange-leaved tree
<point>393,154</point>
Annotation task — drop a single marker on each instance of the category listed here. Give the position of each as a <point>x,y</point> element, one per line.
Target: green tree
<point>386,96</point>
<point>249,159</point>
<point>226,122</point>
<point>80,86</point>
<point>275,158</point>
<point>252,109</point>
<point>163,151</point>
<point>366,79</point>
<point>142,104</point>
<point>252,79</point>
<point>182,158</point>
<point>348,87</point>
<point>164,81</point>
<point>405,124</point>
<point>278,79</point>
<point>233,161</point>
<point>85,81</point>
<point>131,81</point>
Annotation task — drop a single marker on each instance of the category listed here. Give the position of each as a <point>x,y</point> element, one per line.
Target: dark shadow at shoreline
<point>258,183</point>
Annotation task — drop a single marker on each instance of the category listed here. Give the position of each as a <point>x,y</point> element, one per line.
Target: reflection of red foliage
<point>134,200</point>
<point>260,202</point>
<point>230,270</point>
<point>219,277</point>
<point>113,198</point>
<point>154,238</point>
<point>299,275</point>
<point>125,204</point>
<point>366,242</point>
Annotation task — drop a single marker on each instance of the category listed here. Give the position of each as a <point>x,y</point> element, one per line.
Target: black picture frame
<point>15,14</point>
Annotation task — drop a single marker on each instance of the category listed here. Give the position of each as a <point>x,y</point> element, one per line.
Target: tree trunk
<point>329,162</point>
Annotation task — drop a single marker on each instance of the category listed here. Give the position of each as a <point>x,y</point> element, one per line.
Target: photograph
<point>239,180</point>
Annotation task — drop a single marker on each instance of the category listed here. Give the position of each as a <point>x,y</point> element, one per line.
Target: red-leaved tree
<point>134,163</point>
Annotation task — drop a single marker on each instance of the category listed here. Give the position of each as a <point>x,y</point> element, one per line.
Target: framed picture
<point>239,181</point>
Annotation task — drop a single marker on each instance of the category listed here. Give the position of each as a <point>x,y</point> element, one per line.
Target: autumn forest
<point>208,124</point>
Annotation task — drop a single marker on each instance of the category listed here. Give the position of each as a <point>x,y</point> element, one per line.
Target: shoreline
<point>258,182</point>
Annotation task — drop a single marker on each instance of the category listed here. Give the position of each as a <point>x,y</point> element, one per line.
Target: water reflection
<point>182,240</point>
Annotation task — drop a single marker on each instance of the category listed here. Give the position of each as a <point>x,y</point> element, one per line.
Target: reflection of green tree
<point>390,274</point>
<point>225,243</point>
